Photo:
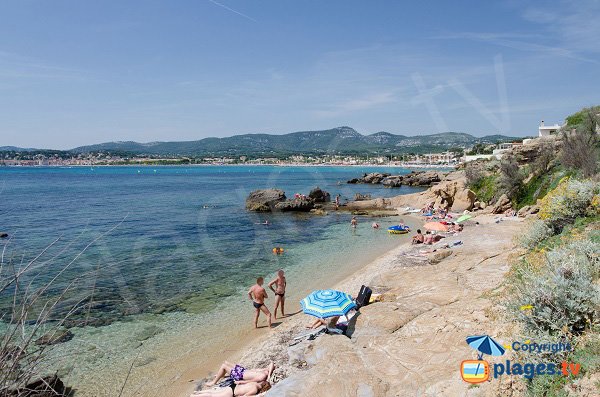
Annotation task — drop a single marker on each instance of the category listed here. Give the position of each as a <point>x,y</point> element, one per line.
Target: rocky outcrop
<point>48,386</point>
<point>415,178</point>
<point>451,192</point>
<point>528,210</point>
<point>319,196</point>
<point>373,178</point>
<point>264,200</point>
<point>454,195</point>
<point>502,205</point>
<point>299,205</point>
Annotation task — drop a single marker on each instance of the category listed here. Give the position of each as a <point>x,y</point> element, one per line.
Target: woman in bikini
<point>279,283</point>
<point>236,389</point>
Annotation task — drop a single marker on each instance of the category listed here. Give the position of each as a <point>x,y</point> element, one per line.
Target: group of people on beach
<point>257,294</point>
<point>240,381</point>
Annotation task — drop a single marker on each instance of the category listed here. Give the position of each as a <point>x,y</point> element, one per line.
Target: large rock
<point>319,196</point>
<point>48,386</point>
<point>427,178</point>
<point>299,205</point>
<point>374,177</point>
<point>503,204</point>
<point>393,181</point>
<point>264,200</point>
<point>454,195</point>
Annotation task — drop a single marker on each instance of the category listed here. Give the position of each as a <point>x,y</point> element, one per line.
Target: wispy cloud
<point>575,23</point>
<point>517,41</point>
<point>357,104</point>
<point>232,10</point>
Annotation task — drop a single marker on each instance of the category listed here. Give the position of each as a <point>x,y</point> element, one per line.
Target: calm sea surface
<point>170,243</point>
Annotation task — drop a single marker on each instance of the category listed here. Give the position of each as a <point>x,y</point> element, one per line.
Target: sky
<point>80,72</point>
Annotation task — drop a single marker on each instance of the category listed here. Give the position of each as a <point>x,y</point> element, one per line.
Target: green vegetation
<point>559,278</point>
<point>576,119</point>
<point>485,188</point>
<point>539,184</point>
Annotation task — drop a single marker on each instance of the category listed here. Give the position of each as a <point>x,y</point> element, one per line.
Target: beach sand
<point>411,343</point>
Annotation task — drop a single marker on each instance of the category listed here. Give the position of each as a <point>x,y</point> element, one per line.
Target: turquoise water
<point>174,244</point>
<point>181,235</point>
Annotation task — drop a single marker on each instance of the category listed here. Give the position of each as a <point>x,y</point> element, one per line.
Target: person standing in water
<point>280,283</point>
<point>257,295</point>
<point>354,222</point>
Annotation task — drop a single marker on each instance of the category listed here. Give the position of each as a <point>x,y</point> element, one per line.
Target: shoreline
<point>421,290</point>
<point>186,382</point>
<point>406,166</point>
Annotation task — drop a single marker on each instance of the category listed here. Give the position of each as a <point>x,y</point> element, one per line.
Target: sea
<point>157,256</point>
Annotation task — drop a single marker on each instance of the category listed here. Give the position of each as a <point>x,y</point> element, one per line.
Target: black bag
<point>363,296</point>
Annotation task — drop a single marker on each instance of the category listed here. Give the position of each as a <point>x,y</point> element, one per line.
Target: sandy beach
<point>410,343</point>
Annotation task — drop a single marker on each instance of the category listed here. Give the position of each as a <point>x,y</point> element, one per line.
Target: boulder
<point>319,196</point>
<point>48,386</point>
<point>503,204</point>
<point>454,195</point>
<point>264,200</point>
<point>393,181</point>
<point>422,178</point>
<point>318,211</point>
<point>436,257</point>
<point>55,337</point>
<point>3,235</point>
<point>463,200</point>
<point>522,213</point>
<point>374,177</point>
<point>299,205</point>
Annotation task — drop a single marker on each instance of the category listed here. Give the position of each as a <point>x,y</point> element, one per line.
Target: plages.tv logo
<point>477,371</point>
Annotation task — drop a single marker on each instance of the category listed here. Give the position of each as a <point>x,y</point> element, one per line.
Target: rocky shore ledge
<point>269,200</point>
<point>413,340</point>
<point>415,178</point>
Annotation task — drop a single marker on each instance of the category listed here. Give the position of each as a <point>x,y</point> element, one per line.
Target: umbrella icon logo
<point>477,371</point>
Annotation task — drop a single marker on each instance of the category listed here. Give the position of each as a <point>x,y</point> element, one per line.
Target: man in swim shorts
<point>257,295</point>
<point>280,283</point>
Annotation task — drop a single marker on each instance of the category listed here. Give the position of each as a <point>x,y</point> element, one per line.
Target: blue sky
<point>80,72</point>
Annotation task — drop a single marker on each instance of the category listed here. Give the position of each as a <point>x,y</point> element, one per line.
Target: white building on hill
<point>547,130</point>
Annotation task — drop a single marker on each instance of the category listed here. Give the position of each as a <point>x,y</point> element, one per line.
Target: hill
<point>340,140</point>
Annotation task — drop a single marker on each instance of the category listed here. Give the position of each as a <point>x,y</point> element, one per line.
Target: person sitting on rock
<point>418,238</point>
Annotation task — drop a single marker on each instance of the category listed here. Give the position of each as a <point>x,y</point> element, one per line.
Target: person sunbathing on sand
<point>236,389</point>
<point>242,375</point>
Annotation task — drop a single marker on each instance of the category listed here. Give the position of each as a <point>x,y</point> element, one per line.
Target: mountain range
<point>340,140</point>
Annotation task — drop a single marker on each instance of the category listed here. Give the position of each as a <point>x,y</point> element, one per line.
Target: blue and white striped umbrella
<point>485,345</point>
<point>327,303</point>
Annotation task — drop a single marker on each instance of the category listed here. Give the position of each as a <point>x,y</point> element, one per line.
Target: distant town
<point>438,157</point>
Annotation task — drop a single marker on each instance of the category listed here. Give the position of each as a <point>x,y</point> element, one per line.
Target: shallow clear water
<point>182,245</point>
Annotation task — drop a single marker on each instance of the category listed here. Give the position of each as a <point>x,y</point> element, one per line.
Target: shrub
<point>581,145</point>
<point>564,297</point>
<point>537,232</point>
<point>582,253</point>
<point>511,178</point>
<point>569,200</point>
<point>544,157</point>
